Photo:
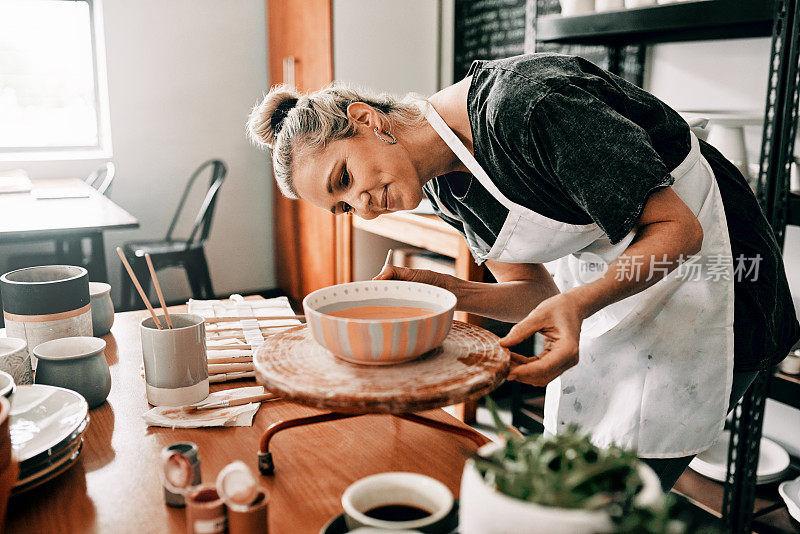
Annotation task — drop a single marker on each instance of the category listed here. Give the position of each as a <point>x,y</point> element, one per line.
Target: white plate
<point>790,492</point>
<point>773,460</point>
<point>42,417</point>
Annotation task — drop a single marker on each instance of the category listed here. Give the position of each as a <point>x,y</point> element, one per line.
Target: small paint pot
<point>205,511</point>
<point>175,365</point>
<point>102,308</point>
<point>76,363</point>
<point>181,470</point>
<point>251,518</point>
<point>46,302</point>
<point>15,360</point>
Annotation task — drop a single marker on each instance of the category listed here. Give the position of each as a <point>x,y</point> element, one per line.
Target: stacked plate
<point>773,461</point>
<point>47,426</point>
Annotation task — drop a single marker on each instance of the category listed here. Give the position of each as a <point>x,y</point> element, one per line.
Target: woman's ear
<point>364,114</point>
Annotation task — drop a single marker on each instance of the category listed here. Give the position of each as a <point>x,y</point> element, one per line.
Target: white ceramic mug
<point>411,489</point>
<point>175,364</point>
<point>102,308</point>
<point>15,360</point>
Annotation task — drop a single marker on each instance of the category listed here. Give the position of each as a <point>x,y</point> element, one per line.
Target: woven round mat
<point>469,364</point>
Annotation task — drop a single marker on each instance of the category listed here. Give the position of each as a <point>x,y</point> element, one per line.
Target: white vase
<point>576,7</point>
<point>484,510</point>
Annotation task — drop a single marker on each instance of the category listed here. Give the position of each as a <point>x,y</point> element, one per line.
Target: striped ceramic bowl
<point>379,341</point>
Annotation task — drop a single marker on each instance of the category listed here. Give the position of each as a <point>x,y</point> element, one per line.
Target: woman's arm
<point>520,287</point>
<point>666,230</point>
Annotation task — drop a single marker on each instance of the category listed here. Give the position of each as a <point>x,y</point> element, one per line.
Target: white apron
<point>655,369</point>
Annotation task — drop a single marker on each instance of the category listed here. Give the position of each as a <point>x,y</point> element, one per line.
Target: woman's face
<point>361,175</point>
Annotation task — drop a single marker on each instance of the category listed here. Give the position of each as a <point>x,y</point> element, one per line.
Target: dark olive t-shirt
<point>575,143</point>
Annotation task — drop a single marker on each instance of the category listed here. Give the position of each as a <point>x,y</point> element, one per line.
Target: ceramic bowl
<point>7,385</point>
<point>76,363</point>
<point>102,308</point>
<point>15,359</point>
<point>379,341</point>
<point>397,488</point>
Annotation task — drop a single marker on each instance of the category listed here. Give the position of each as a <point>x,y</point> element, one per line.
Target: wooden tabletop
<point>25,217</point>
<point>115,485</point>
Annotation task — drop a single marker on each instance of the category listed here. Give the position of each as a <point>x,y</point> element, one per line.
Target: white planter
<point>484,510</point>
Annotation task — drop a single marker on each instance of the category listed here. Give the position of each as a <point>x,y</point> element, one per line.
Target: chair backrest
<point>101,178</point>
<point>202,222</point>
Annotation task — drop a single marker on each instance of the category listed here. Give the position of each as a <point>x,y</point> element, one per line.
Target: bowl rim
<point>93,346</point>
<point>75,272</point>
<point>447,309</point>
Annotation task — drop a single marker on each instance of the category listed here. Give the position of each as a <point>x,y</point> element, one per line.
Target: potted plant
<point>560,485</point>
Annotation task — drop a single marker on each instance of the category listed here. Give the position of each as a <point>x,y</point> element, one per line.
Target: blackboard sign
<point>487,29</point>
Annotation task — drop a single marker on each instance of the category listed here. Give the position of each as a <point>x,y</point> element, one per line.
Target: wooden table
<point>115,486</point>
<point>27,219</point>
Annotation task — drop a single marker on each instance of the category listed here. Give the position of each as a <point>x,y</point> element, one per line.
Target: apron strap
<point>461,151</point>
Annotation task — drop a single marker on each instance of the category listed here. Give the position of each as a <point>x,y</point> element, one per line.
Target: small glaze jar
<point>76,363</point>
<point>102,308</point>
<point>205,511</point>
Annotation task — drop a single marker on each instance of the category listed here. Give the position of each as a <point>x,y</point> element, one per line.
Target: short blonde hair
<point>287,121</point>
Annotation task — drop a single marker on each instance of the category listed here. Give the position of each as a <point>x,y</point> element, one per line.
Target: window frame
<point>103,148</point>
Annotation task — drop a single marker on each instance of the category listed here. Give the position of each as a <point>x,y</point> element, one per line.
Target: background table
<point>115,485</point>
<point>27,219</point>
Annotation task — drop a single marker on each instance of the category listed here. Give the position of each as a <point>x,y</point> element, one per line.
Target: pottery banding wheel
<point>470,363</point>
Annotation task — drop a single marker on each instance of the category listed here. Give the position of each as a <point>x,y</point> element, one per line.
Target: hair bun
<point>267,118</point>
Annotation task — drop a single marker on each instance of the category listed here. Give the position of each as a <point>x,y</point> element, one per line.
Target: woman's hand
<point>559,320</point>
<point>423,276</point>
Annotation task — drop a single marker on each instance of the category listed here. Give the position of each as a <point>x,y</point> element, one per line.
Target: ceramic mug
<point>102,308</point>
<point>576,7</point>
<point>76,363</point>
<point>397,488</point>
<point>175,364</point>
<point>15,360</point>
<point>46,302</point>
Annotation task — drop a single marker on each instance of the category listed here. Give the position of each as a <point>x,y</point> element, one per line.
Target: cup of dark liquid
<point>397,501</point>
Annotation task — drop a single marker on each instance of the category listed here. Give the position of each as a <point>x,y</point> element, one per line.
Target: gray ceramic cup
<point>15,359</point>
<point>175,365</point>
<point>76,363</point>
<point>102,308</point>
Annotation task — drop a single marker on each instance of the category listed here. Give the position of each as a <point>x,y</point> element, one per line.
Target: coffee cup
<point>15,360</point>
<point>397,501</point>
<point>175,364</point>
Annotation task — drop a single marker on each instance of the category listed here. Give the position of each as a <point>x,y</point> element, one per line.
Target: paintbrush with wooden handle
<point>232,402</point>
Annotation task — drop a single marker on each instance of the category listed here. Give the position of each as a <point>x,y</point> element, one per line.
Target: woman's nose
<point>363,205</point>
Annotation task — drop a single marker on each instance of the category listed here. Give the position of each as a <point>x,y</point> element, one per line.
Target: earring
<point>393,141</point>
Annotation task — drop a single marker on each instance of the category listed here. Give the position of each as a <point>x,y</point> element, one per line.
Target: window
<point>52,93</point>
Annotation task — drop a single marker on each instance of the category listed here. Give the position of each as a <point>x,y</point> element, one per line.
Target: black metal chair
<point>188,254</point>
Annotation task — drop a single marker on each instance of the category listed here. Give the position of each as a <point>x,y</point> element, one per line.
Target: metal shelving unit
<point>696,21</point>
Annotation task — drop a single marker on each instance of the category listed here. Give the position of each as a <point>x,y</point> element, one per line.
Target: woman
<point>670,293</point>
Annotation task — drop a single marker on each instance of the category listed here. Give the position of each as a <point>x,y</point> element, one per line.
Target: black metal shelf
<point>689,21</point>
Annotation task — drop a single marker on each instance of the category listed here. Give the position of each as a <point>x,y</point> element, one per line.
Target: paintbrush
<point>231,402</point>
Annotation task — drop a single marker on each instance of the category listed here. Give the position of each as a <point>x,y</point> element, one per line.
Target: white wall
<point>729,75</point>
<point>182,77</point>
<point>393,47</point>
